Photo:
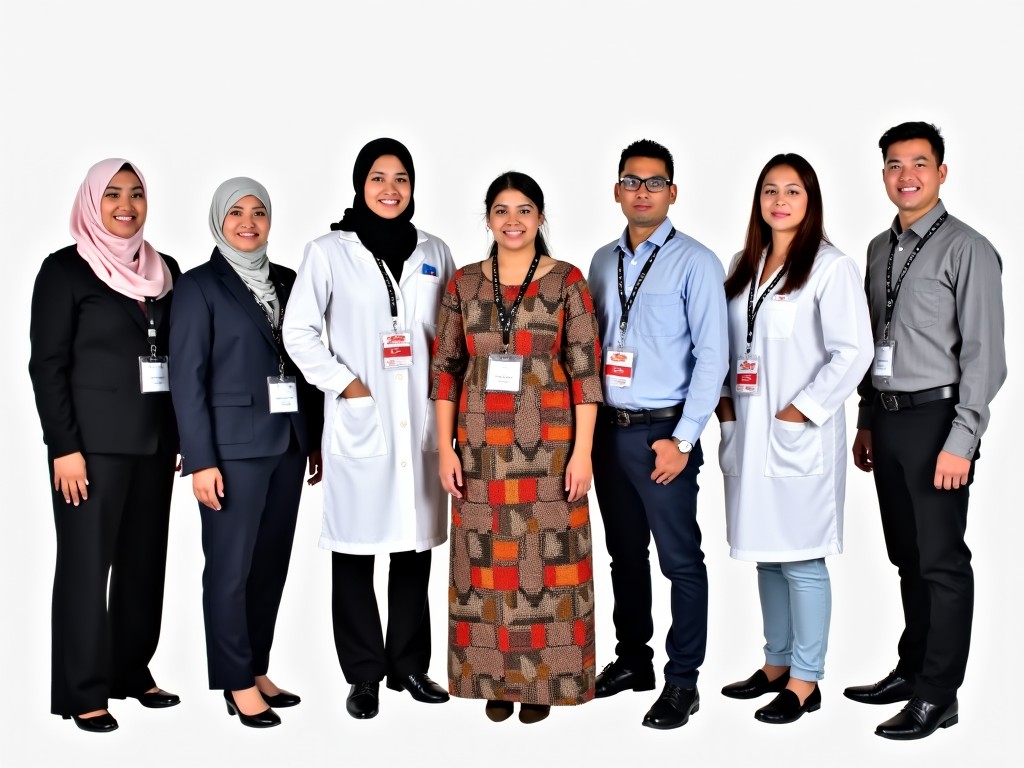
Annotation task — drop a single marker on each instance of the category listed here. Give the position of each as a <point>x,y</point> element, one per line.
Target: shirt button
<point>901,249</point>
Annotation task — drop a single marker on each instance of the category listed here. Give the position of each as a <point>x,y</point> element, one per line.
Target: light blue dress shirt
<point>677,325</point>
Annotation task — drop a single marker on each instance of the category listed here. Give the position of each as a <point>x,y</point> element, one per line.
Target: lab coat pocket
<point>794,450</point>
<point>357,431</point>
<point>727,459</point>
<point>779,318</point>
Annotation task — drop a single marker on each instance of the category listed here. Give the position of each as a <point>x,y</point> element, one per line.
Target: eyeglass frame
<point>643,182</point>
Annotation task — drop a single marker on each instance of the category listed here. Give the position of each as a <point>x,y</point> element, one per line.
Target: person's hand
<point>69,478</point>
<point>951,471</point>
<point>579,473</point>
<point>316,468</point>
<point>863,456</point>
<point>355,389</point>
<point>668,461</point>
<point>792,414</point>
<point>208,486</point>
<point>450,471</point>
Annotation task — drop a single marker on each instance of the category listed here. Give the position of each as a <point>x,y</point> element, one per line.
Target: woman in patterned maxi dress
<point>521,593</point>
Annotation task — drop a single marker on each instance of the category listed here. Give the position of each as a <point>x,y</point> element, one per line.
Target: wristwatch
<point>684,446</point>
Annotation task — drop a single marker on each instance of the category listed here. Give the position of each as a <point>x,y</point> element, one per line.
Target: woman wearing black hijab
<point>374,283</point>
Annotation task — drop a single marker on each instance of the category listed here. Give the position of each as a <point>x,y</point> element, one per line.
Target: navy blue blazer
<point>221,352</point>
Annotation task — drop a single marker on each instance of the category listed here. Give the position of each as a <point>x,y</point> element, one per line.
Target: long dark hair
<point>520,182</point>
<point>806,242</point>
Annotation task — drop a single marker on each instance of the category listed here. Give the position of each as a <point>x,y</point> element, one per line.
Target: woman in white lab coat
<point>374,283</point>
<point>800,341</point>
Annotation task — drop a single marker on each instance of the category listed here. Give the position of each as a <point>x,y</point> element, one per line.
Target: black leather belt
<point>902,401</point>
<point>623,417</point>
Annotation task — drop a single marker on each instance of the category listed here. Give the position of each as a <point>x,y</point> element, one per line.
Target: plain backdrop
<point>196,92</point>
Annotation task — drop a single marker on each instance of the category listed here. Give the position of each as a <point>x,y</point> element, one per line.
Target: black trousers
<point>248,546</point>
<point>102,642</point>
<point>363,652</point>
<point>924,534</point>
<point>633,508</point>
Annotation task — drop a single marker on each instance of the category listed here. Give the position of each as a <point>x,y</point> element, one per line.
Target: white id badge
<point>153,374</point>
<point>284,396</point>
<point>504,373</point>
<point>748,375</point>
<point>619,364</point>
<point>396,349</point>
<point>885,351</point>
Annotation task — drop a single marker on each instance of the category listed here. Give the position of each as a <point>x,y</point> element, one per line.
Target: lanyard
<point>752,307</point>
<point>627,304</point>
<point>506,317</point>
<point>391,292</point>
<point>893,291</point>
<point>275,330</point>
<point>151,328</point>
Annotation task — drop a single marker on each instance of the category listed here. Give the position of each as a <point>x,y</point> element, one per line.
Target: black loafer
<point>673,708</point>
<point>618,676</point>
<point>420,687</point>
<point>756,685</point>
<point>786,707</point>
<point>268,718</point>
<point>281,699</point>
<point>364,700</point>
<point>104,723</point>
<point>158,699</point>
<point>888,690</point>
<point>919,719</point>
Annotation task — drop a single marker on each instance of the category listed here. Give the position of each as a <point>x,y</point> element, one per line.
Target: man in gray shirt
<point>935,294</point>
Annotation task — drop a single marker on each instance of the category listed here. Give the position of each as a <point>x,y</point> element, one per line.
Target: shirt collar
<point>657,238</point>
<point>922,225</point>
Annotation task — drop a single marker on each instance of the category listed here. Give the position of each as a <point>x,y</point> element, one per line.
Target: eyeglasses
<point>653,184</point>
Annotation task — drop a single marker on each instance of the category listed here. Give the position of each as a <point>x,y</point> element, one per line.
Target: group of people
<point>544,382</point>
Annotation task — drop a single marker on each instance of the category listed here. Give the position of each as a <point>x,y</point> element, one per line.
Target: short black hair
<point>648,148</point>
<point>918,130</point>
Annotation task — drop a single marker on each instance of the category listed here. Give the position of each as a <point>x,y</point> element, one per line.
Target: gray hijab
<point>254,267</point>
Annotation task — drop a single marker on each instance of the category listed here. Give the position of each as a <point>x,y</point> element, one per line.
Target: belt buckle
<point>621,418</point>
<point>890,401</point>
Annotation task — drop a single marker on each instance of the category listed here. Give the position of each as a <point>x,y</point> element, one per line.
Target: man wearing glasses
<point>661,310</point>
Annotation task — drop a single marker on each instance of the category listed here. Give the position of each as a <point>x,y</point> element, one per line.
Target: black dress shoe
<point>617,677</point>
<point>756,685</point>
<point>158,699</point>
<point>786,707</point>
<point>104,723</point>
<point>420,687</point>
<point>919,719</point>
<point>363,700</point>
<point>888,690</point>
<point>281,699</point>
<point>673,708</point>
<point>266,719</point>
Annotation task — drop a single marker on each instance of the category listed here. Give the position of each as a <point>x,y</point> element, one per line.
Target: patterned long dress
<point>521,591</point>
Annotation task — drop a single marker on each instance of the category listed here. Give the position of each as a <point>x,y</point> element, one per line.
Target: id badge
<point>284,396</point>
<point>153,374</point>
<point>504,373</point>
<point>396,349</point>
<point>619,364</point>
<point>748,375</point>
<point>885,353</point>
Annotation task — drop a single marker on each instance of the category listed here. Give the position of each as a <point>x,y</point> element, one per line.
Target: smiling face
<point>912,178</point>
<point>387,190</point>
<point>783,200</point>
<point>514,221</point>
<point>645,209</point>
<point>247,225</point>
<point>123,205</point>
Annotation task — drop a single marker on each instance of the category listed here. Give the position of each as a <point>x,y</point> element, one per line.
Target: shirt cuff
<point>811,409</point>
<point>338,383</point>
<point>961,443</point>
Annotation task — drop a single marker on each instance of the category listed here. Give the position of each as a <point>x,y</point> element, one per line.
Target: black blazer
<point>86,341</point>
<point>222,351</point>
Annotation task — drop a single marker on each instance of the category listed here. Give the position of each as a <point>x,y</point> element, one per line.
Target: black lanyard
<point>893,291</point>
<point>752,307</point>
<point>627,304</point>
<point>391,292</point>
<point>275,329</point>
<point>151,327</point>
<point>506,317</point>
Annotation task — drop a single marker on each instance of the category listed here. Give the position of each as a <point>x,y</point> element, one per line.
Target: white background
<point>195,92</point>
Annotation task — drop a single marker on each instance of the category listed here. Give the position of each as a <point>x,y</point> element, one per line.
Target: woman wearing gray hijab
<point>250,422</point>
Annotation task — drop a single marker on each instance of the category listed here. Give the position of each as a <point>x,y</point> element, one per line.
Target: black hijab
<point>391,240</point>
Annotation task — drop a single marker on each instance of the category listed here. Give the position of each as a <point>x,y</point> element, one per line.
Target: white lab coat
<point>381,488</point>
<point>785,483</point>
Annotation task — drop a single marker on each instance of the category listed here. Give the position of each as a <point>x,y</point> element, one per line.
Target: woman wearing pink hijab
<point>99,371</point>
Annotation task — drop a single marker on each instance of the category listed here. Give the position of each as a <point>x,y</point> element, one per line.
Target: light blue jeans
<point>796,606</point>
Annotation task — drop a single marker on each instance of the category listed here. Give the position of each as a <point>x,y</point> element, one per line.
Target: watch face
<point>685,447</point>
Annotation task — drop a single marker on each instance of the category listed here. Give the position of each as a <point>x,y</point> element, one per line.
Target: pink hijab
<point>112,258</point>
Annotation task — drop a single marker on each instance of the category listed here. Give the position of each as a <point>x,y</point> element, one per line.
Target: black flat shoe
<point>888,690</point>
<point>919,719</point>
<point>756,685</point>
<point>104,723</point>
<point>420,687</point>
<point>673,708</point>
<point>533,713</point>
<point>786,707</point>
<point>281,699</point>
<point>158,699</point>
<point>617,677</point>
<point>363,700</point>
<point>266,719</point>
<point>498,711</point>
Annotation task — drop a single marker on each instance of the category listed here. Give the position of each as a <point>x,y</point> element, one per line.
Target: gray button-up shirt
<point>948,321</point>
